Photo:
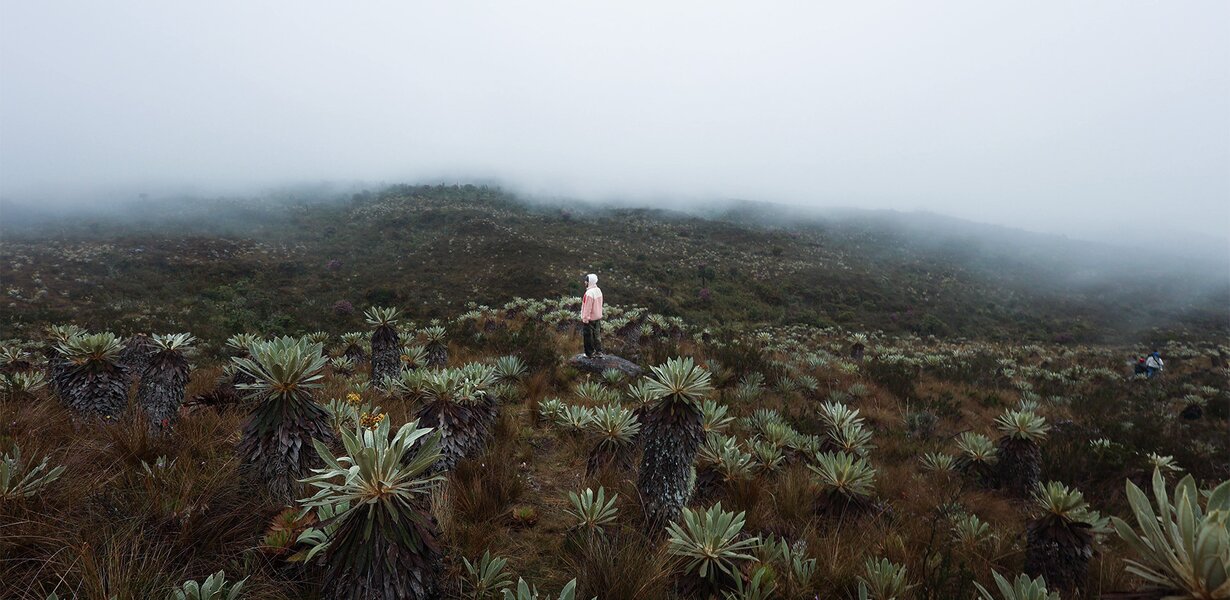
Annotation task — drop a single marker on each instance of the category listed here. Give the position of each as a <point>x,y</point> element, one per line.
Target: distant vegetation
<point>289,267</point>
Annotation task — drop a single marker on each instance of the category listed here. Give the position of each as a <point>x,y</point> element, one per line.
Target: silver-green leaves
<point>376,468</point>
<point>1023,588</point>
<point>19,481</point>
<point>680,380</point>
<point>1180,546</point>
<point>591,511</point>
<point>708,539</point>
<point>214,587</point>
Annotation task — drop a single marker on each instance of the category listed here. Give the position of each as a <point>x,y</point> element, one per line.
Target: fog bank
<point>1099,120</point>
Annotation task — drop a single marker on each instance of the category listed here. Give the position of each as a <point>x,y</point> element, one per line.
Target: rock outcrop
<point>607,361</point>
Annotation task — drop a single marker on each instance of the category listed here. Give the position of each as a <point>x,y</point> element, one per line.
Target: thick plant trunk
<point>277,444</point>
<point>137,355</point>
<point>673,433</point>
<point>437,355</point>
<point>355,354</point>
<point>613,455</point>
<point>464,430</point>
<point>386,360</point>
<point>383,568</point>
<point>982,474</point>
<point>55,371</point>
<point>161,391</point>
<point>1065,567</point>
<point>93,390</point>
<point>1020,466</point>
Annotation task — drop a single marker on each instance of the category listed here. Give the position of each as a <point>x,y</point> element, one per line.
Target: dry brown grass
<point>108,527</point>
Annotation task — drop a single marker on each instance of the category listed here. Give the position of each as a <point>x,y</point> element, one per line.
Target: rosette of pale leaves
<point>1058,502</point>
<point>612,377</point>
<point>242,342</point>
<point>593,392</point>
<point>592,511</point>
<point>976,448</point>
<point>734,464</point>
<point>343,365</point>
<point>575,418</point>
<point>412,356</point>
<point>779,434</point>
<point>215,587</point>
<point>1022,425</point>
<point>352,345</point>
<point>58,334</point>
<point>767,457</point>
<point>486,575</point>
<point>843,474</point>
<point>437,348</point>
<point>713,416</point>
<point>550,408</point>
<point>1059,541</point>
<point>883,580</point>
<point>708,541</point>
<point>17,480</point>
<point>385,542</point>
<point>318,337</point>
<point>510,368</point>
<point>938,462</point>
<point>680,380</point>
<point>1023,588</point>
<point>614,424</point>
<point>1165,464</point>
<point>761,418</point>
<point>1180,546</point>
<point>852,438</point>
<point>970,531</point>
<point>411,384</point>
<point>836,415</point>
<point>525,591</point>
<point>640,393</point>
<point>616,428</point>
<point>20,383</point>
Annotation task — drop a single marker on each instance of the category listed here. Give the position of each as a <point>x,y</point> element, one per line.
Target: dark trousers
<point>591,332</point>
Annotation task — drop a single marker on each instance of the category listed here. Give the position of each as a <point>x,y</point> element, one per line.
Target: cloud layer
<point>1095,117</point>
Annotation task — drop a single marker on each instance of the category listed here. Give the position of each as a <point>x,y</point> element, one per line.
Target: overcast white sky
<point>1098,117</point>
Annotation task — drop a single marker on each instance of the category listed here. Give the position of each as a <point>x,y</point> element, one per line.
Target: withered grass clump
<point>134,513</point>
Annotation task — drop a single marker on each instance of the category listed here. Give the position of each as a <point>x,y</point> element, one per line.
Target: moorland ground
<point>973,381</point>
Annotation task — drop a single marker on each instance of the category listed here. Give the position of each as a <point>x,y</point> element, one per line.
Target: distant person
<point>1154,364</point>
<point>591,317</point>
<point>1140,368</point>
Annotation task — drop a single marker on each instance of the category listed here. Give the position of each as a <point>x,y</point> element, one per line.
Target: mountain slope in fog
<point>290,266</point>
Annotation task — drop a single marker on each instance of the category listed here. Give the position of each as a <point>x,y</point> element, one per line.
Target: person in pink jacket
<point>591,317</point>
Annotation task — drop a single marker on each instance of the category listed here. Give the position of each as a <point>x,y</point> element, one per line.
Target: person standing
<point>1153,364</point>
<point>591,317</point>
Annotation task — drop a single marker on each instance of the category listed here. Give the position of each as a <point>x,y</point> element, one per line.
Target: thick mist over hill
<point>435,248</point>
<point>1103,121</point>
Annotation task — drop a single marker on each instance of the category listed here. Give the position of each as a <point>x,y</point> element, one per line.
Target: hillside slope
<point>288,267</point>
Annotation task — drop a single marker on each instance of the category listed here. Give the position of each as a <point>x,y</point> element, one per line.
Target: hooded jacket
<point>591,302</point>
<point>1154,362</point>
